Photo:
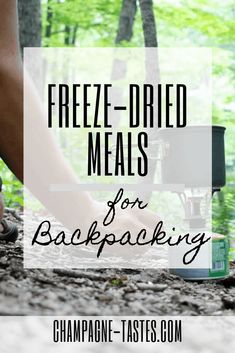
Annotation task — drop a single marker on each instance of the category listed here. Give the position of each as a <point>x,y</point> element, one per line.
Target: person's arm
<point>11,128</point>
<point>72,209</point>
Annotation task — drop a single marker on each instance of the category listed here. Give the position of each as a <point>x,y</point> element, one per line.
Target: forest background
<point>132,23</point>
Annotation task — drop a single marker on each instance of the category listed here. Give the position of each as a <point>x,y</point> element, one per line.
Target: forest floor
<point>105,291</point>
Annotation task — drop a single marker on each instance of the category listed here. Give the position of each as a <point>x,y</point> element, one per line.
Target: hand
<point>124,229</point>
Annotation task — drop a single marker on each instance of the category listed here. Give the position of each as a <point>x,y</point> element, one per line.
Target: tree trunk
<point>126,21</point>
<point>49,20</point>
<point>67,35</point>
<point>148,21</point>
<point>29,23</point>
<point>152,76</point>
<point>124,32</point>
<point>74,35</point>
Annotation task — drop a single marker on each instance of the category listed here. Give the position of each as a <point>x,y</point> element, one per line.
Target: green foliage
<point>96,20</point>
<point>12,188</point>
<point>224,215</point>
<point>210,19</point>
<point>117,282</point>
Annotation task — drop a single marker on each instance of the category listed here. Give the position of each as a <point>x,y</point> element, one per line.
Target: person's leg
<point>11,89</point>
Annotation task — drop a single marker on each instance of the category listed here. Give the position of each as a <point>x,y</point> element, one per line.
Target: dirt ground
<point>105,292</point>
